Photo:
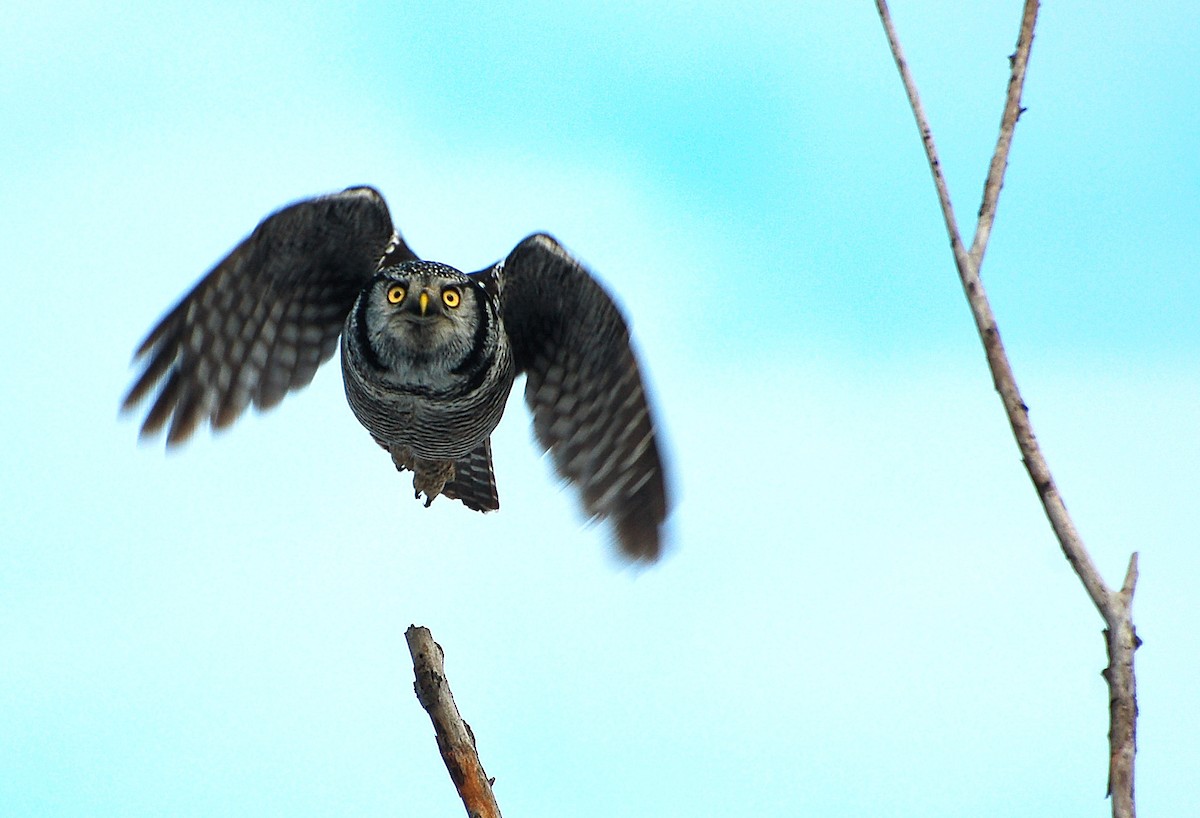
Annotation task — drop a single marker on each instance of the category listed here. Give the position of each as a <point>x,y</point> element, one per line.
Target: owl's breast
<point>434,412</point>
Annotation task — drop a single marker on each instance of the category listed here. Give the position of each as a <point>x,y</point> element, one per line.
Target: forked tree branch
<point>454,738</point>
<point>1114,607</point>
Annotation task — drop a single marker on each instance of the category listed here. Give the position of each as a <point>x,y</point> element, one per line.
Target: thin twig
<point>1008,124</point>
<point>935,164</point>
<point>1115,608</point>
<point>454,737</point>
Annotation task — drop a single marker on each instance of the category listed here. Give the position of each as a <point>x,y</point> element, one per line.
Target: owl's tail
<point>474,483</point>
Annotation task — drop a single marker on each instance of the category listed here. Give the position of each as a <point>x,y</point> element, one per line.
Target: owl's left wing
<point>262,321</point>
<point>585,390</point>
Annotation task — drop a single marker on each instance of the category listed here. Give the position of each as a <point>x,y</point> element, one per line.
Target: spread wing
<point>585,390</point>
<point>262,321</point>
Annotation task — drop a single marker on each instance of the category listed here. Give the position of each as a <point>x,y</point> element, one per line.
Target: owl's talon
<point>430,477</point>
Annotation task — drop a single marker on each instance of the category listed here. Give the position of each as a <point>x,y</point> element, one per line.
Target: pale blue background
<point>863,612</point>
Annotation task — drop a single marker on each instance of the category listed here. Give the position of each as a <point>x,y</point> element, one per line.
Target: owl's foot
<point>430,477</point>
<point>402,458</point>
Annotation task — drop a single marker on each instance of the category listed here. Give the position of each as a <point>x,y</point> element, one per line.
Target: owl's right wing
<point>585,389</point>
<point>262,321</point>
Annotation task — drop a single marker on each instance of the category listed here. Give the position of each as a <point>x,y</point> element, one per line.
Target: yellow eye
<point>451,297</point>
<point>395,294</point>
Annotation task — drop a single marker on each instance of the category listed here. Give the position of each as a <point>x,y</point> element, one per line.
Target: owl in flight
<point>429,355</point>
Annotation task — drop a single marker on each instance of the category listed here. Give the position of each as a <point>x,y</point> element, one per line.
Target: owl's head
<point>423,317</point>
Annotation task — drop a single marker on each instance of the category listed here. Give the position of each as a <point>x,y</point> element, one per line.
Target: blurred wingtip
<point>639,538</point>
<point>128,403</point>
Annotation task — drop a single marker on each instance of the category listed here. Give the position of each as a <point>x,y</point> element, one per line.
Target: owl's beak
<point>422,306</point>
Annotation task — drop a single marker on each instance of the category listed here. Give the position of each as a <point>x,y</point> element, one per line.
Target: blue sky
<point>863,610</point>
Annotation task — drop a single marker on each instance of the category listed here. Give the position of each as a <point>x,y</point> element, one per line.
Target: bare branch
<point>1115,608</point>
<point>455,740</point>
<point>1008,124</point>
<point>1121,640</point>
<point>935,164</point>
